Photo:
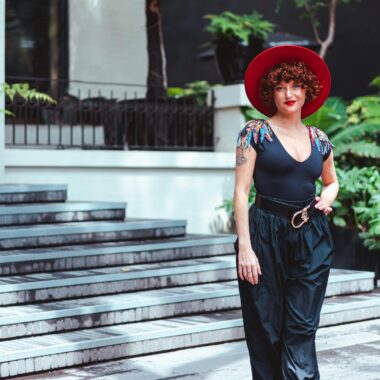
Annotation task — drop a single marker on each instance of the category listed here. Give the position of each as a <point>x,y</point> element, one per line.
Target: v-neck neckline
<point>283,147</point>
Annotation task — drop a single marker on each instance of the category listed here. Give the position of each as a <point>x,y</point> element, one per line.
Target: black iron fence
<point>100,122</point>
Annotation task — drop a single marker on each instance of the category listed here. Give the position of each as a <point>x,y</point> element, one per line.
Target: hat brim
<point>264,61</point>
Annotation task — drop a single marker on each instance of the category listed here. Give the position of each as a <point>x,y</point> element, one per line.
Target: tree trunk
<point>157,81</point>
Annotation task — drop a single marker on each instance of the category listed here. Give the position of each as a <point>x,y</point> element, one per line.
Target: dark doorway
<point>36,43</point>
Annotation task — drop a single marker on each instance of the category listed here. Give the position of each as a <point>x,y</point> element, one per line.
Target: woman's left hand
<point>323,205</point>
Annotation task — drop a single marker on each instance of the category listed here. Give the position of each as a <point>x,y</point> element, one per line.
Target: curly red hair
<point>289,71</point>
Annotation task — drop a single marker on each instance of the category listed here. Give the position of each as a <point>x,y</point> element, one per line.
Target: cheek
<point>277,96</point>
<point>302,94</point>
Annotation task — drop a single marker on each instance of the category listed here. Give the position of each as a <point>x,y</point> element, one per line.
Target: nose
<point>288,91</point>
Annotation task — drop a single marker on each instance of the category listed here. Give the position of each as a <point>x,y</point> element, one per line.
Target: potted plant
<point>237,39</point>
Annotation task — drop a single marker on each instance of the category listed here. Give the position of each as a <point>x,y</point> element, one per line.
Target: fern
<point>364,149</point>
<point>355,132</point>
<point>25,92</point>
<point>364,108</point>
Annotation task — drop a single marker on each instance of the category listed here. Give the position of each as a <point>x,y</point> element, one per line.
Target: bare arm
<point>245,164</point>
<point>249,267</point>
<point>330,186</point>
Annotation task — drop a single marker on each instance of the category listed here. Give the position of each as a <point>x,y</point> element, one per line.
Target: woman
<point>284,247</point>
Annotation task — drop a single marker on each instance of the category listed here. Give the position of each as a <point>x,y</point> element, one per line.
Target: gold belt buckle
<point>304,217</point>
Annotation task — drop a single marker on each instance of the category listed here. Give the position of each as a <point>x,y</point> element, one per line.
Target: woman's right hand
<point>248,265</point>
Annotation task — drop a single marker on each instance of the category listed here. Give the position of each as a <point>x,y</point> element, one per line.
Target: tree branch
<point>324,45</point>
<point>313,20</point>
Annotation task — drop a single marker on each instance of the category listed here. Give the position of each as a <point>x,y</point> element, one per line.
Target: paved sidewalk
<point>349,351</point>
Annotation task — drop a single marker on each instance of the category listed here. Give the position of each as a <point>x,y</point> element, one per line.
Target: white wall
<point>170,185</point>
<point>107,43</point>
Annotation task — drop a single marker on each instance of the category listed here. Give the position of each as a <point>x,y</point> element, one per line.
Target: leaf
<point>330,116</point>
<point>355,132</point>
<point>363,149</point>
<point>338,221</point>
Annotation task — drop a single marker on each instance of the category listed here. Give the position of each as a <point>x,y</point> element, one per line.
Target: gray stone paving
<point>349,351</point>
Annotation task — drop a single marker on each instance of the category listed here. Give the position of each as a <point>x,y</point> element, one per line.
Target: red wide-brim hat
<point>264,61</point>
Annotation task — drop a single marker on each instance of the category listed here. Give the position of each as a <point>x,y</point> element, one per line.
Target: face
<point>289,97</point>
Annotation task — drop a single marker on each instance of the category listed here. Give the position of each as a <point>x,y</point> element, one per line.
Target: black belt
<point>298,215</point>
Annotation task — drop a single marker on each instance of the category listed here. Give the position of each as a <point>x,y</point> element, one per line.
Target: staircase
<point>81,282</point>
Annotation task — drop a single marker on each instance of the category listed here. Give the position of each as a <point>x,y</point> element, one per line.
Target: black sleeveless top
<point>277,174</point>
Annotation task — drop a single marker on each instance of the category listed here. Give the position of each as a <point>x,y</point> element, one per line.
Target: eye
<point>297,85</point>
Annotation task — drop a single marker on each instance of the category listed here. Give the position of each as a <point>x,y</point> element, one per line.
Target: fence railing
<point>99,122</point>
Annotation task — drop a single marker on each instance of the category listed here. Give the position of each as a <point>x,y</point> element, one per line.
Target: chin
<point>290,111</point>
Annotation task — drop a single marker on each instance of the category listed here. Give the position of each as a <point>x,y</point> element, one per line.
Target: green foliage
<point>376,83</point>
<point>353,127</point>
<point>365,149</point>
<point>228,24</point>
<point>371,215</point>
<point>330,117</point>
<point>23,91</point>
<point>358,203</point>
<point>355,186</point>
<point>197,89</point>
<point>358,141</point>
<point>364,108</point>
<point>357,137</point>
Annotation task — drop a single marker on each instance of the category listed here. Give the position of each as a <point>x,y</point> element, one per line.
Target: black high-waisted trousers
<point>281,313</point>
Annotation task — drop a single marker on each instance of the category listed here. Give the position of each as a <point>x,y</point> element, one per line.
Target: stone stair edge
<point>102,248</point>
<point>75,227</point>
<point>55,207</point>
<point>159,297</point>
<point>117,335</point>
<point>9,188</point>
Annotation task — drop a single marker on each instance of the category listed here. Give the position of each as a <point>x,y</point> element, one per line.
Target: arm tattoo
<point>240,158</point>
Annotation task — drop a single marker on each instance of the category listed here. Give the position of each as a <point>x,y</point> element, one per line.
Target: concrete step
<point>125,340</point>
<point>50,317</point>
<point>41,287</point>
<point>43,235</point>
<point>39,213</point>
<point>32,354</point>
<point>350,308</point>
<point>87,256</point>
<point>30,193</point>
<point>346,281</point>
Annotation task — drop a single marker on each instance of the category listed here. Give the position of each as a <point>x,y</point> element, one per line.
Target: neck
<point>290,122</point>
